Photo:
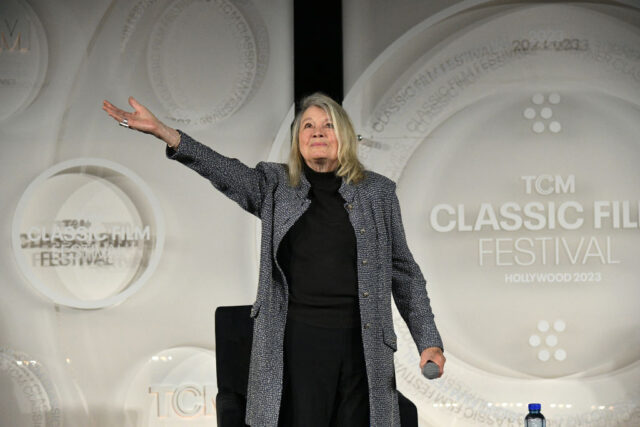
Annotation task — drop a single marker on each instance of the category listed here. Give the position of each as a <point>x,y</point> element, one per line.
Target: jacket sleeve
<point>409,287</point>
<point>242,184</point>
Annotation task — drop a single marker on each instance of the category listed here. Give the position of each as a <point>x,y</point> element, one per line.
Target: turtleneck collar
<point>324,180</point>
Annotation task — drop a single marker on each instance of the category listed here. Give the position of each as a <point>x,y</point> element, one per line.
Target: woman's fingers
<point>119,115</point>
<point>114,111</point>
<point>142,113</point>
<point>136,105</point>
<point>140,119</point>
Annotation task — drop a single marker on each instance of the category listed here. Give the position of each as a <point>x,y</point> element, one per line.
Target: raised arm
<point>242,184</point>
<point>143,120</point>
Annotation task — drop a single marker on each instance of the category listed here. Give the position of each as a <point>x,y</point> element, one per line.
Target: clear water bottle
<point>534,418</point>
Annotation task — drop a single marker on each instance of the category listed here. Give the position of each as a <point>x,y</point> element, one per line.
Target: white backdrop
<point>510,128</point>
<point>129,362</point>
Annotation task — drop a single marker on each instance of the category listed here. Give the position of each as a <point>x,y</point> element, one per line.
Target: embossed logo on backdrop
<point>513,139</point>
<point>88,233</point>
<point>30,396</point>
<point>23,56</point>
<point>175,387</point>
<point>205,59</point>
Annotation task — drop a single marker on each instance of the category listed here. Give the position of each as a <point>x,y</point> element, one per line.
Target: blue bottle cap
<point>534,406</point>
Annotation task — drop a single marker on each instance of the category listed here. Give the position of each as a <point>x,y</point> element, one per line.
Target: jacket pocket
<point>255,309</point>
<point>389,338</point>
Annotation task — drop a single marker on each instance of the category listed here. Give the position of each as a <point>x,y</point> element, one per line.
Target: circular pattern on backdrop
<point>535,230</point>
<point>29,396</point>
<point>204,59</point>
<point>88,233</point>
<point>23,56</point>
<point>174,387</point>
<point>502,135</point>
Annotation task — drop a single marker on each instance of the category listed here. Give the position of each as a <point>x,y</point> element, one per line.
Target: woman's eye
<point>330,125</point>
<point>307,125</point>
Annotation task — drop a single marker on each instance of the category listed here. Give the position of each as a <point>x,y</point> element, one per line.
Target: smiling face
<point>317,140</point>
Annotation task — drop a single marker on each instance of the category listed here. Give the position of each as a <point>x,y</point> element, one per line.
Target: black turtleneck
<point>318,257</point>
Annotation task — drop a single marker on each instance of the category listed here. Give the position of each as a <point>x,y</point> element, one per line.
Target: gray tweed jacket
<point>385,267</point>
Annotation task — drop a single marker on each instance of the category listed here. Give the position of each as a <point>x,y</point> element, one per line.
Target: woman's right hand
<point>143,120</point>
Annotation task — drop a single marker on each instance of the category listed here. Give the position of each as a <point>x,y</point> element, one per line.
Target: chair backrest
<point>408,412</point>
<point>234,333</point>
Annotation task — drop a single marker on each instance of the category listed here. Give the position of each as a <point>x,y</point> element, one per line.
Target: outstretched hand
<point>433,354</point>
<point>143,120</point>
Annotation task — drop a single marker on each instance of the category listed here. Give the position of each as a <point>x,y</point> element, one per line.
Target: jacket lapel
<point>288,210</point>
<point>347,191</point>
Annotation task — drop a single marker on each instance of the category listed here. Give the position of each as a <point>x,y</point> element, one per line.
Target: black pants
<point>325,379</point>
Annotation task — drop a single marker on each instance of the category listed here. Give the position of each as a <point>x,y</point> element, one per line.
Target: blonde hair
<point>349,166</point>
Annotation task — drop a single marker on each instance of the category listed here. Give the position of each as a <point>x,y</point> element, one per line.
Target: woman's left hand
<point>435,355</point>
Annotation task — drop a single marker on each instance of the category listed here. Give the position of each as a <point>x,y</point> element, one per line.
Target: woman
<point>333,252</point>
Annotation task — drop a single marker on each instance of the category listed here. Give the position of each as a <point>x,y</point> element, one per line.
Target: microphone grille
<point>430,370</point>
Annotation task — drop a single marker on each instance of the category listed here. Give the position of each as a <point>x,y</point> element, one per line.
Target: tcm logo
<point>549,184</point>
<point>14,35</point>
<point>187,400</point>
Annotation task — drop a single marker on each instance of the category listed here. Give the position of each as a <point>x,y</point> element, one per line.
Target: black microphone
<point>430,370</point>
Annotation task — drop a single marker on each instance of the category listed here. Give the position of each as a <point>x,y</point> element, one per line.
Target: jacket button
<point>367,325</point>
<point>362,231</point>
<point>365,294</point>
<point>350,206</point>
<point>364,261</point>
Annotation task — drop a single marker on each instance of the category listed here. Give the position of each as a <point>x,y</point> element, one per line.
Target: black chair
<point>234,332</point>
